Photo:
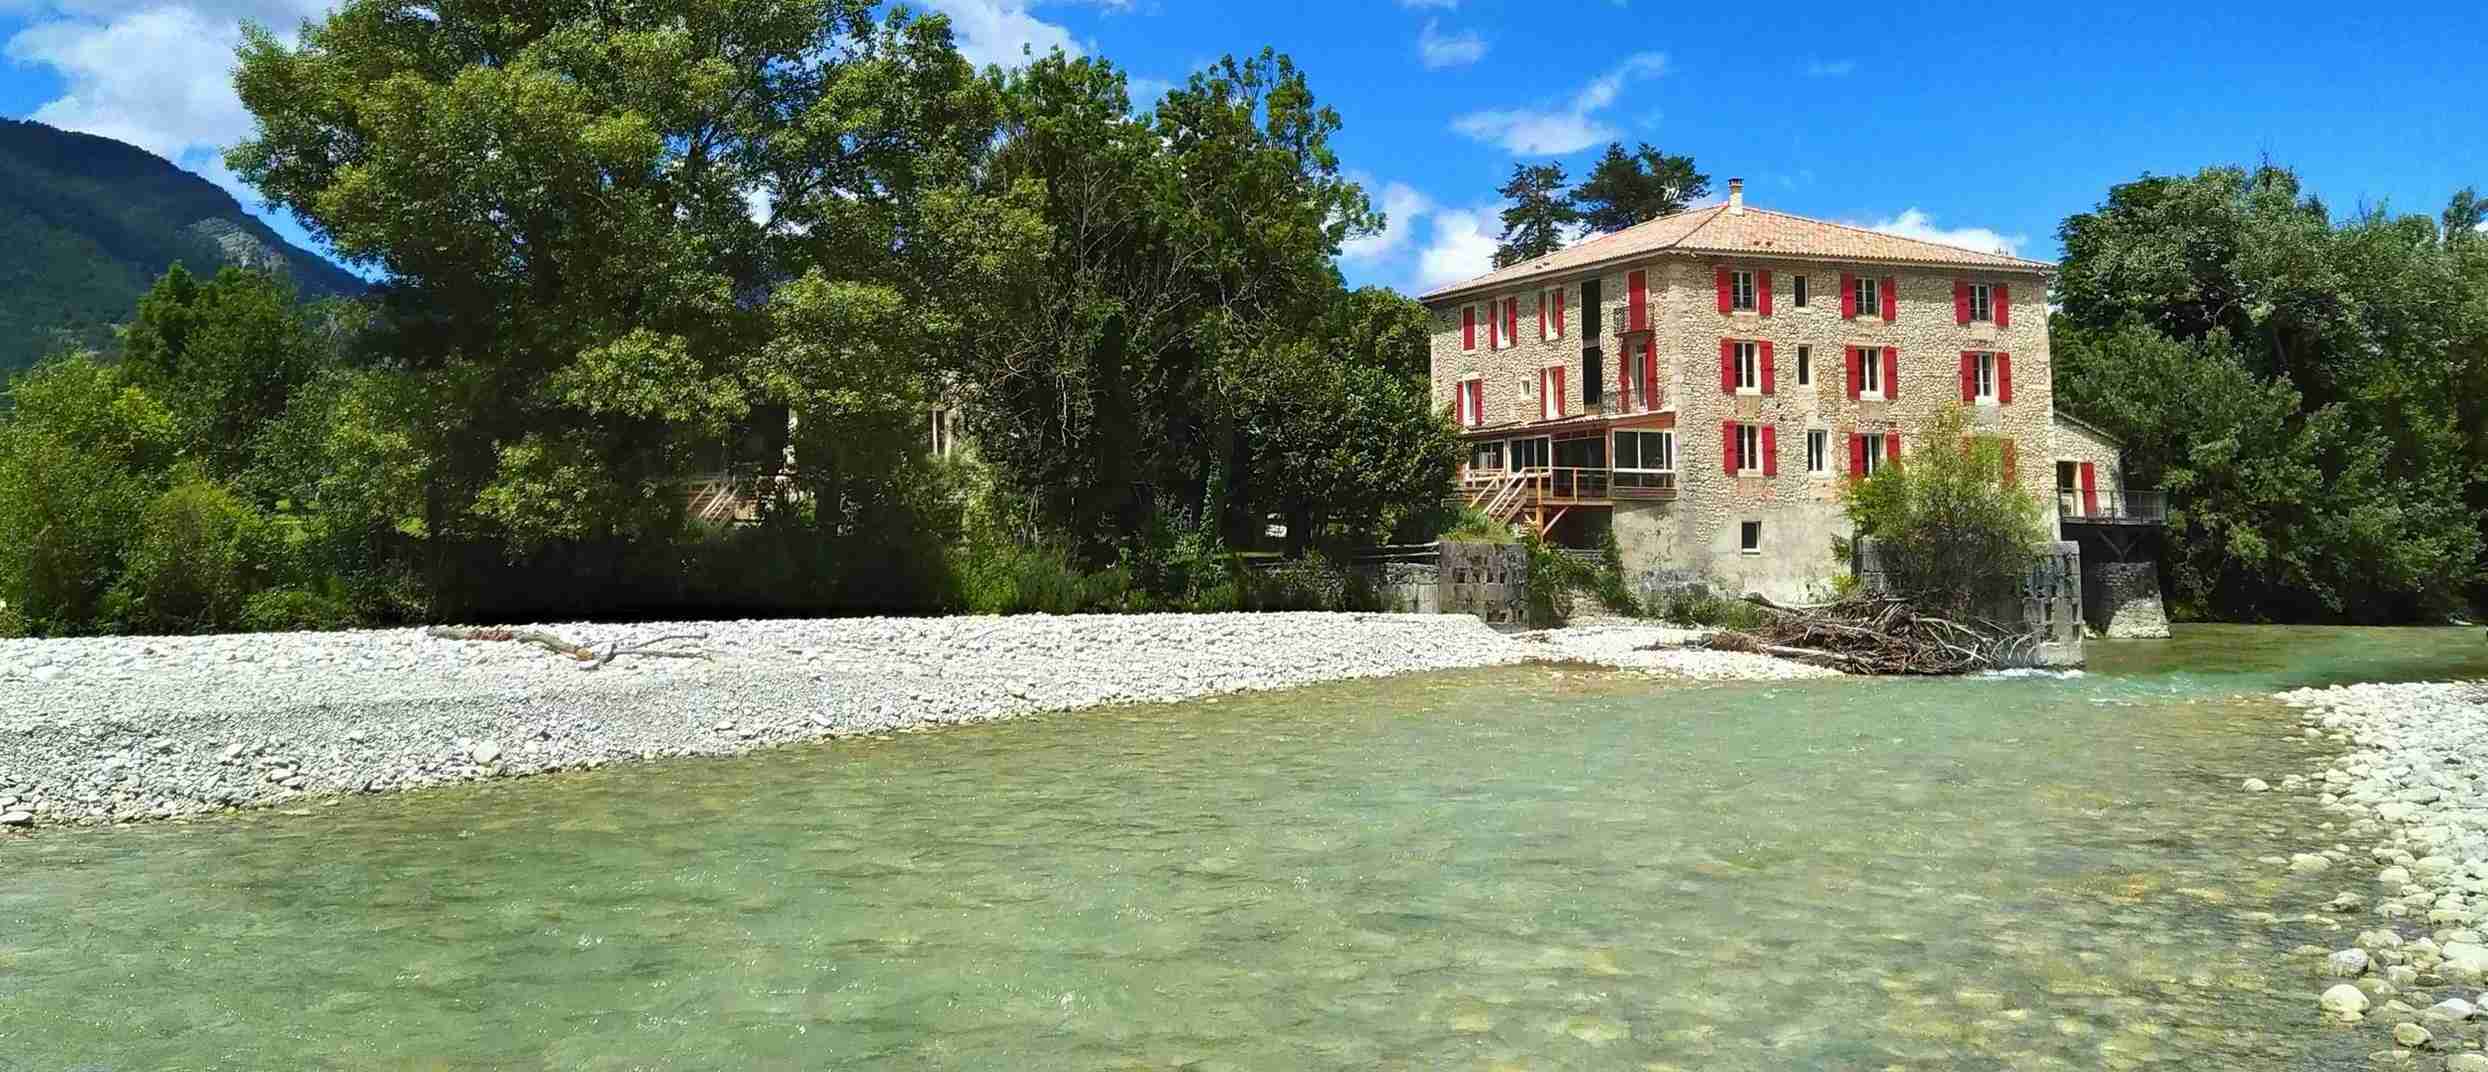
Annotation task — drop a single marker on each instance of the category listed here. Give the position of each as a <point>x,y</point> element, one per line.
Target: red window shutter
<point>2090,490</point>
<point>1767,378</point>
<point>1649,374</point>
<point>1727,447</point>
<point>1770,452</point>
<point>1891,372</point>
<point>1960,301</point>
<point>2004,305</point>
<point>1636,301</point>
<point>2004,377</point>
<point>1719,278</point>
<point>1857,455</point>
<point>1559,392</point>
<point>1857,369</point>
<point>1969,376</point>
<point>1468,327</point>
<point>2012,467</point>
<point>1494,327</point>
<point>1727,366</point>
<point>1511,320</point>
<point>1848,302</point>
<point>1559,310</point>
<point>1891,299</point>
<point>1892,446</point>
<point>1762,292</point>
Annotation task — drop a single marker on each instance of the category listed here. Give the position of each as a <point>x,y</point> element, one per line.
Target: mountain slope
<point>88,223</point>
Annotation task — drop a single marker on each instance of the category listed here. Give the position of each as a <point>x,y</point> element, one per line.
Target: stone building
<point>1700,384</point>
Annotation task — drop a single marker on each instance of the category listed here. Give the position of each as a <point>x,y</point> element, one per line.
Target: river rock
<point>2344,1001</point>
<point>485,752</point>
<point>17,818</point>
<point>2346,964</point>
<point>2307,863</point>
<point>2451,1010</point>
<point>2412,1035</point>
<point>2394,876</point>
<point>2466,960</point>
<point>2466,1062</point>
<point>2256,785</point>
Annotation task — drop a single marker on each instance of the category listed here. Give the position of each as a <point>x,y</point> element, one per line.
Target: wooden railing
<point>2112,505</point>
<point>1508,490</point>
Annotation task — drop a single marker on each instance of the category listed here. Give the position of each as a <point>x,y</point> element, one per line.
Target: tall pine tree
<point>1628,188</point>
<point>1537,216</point>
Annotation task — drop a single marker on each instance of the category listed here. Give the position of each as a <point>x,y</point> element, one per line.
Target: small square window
<point>1818,443</point>
<point>1749,537</point>
<point>1741,291</point>
<point>1797,291</point>
<point>1805,363</point>
<point>1869,302</point>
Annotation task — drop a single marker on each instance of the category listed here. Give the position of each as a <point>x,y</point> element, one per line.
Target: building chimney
<point>1736,197</point>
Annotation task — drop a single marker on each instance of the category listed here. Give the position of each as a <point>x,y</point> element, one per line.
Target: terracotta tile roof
<point>1712,229</point>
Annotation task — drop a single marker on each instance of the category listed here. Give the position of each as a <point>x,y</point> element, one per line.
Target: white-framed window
<point>1805,363</point>
<point>1870,372</point>
<point>1818,444</point>
<point>1748,367</point>
<point>1639,392</point>
<point>1741,291</point>
<point>945,432</point>
<point>1511,322</point>
<point>1982,304</point>
<point>1471,402</point>
<point>1749,537</point>
<point>1486,456</point>
<point>1797,291</point>
<point>1748,448</point>
<point>1645,452</point>
<point>1551,301</point>
<point>1874,452</point>
<point>1983,367</point>
<point>1550,392</point>
<point>1869,300</point>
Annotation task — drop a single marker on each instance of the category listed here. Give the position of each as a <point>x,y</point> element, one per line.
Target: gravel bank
<point>118,729</point>
<point>2410,798</point>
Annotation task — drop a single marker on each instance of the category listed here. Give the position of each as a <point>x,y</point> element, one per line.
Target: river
<point>1528,868</point>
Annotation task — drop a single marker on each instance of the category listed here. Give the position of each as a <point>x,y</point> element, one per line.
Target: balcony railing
<point>1487,489</point>
<point>2114,506</point>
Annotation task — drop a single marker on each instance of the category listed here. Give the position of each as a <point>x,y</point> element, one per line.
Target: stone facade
<point>2076,443</point>
<point>2125,601</point>
<point>1701,531</point>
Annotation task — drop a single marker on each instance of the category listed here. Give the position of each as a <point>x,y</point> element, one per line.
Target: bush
<point>1314,582</point>
<point>200,555</point>
<point>1695,608</point>
<point>1954,537</point>
<point>280,610</point>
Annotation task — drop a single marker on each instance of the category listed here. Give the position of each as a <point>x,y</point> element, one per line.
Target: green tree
<point>1628,188</point>
<point>1954,537</point>
<point>82,454</point>
<point>1537,214</point>
<point>2372,326</point>
<point>618,238</point>
<point>226,355</point>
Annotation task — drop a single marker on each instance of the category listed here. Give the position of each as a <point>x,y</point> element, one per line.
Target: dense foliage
<point>632,249</point>
<point>1953,535</point>
<point>2312,394</point>
<point>90,222</point>
<point>1540,215</point>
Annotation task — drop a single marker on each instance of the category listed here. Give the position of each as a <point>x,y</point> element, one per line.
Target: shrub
<point>279,610</point>
<point>200,555</point>
<point>1314,582</point>
<point>1952,534</point>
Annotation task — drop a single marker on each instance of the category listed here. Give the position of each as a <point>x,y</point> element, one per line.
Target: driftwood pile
<point>590,658</point>
<point>1880,635</point>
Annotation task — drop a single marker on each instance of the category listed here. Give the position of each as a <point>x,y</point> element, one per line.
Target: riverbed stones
<point>115,732</point>
<point>2412,1035</point>
<point>2466,1062</point>
<point>2256,785</point>
<point>2451,1010</point>
<point>2344,1001</point>
<point>2307,863</point>
<point>2346,964</point>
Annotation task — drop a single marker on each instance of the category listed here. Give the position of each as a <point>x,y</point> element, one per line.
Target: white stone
<point>2256,785</point>
<point>2466,960</point>
<point>2466,1062</point>
<point>2308,863</point>
<point>2452,1009</point>
<point>2412,1035</point>
<point>16,818</point>
<point>485,751</point>
<point>2345,1001</point>
<point>2346,964</point>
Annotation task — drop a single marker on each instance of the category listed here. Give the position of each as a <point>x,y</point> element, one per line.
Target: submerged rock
<point>2344,1001</point>
<point>2412,1035</point>
<point>2346,964</point>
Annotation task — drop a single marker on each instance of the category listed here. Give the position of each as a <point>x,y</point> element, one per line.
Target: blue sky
<point>1984,125</point>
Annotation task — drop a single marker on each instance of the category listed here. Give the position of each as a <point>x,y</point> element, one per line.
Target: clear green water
<point>1526,869</point>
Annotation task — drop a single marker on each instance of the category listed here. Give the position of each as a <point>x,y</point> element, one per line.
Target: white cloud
<point>160,79</point>
<point>1457,50</point>
<point>1570,128</point>
<point>1443,4</point>
<point>1462,247</point>
<point>1145,92</point>
<point>1403,206</point>
<point>1913,223</point>
<point>1831,68</point>
<point>997,31</point>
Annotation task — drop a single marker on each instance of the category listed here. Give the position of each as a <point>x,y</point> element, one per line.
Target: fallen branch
<point>592,657</point>
<point>1878,635</point>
